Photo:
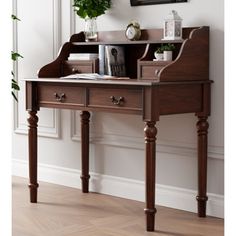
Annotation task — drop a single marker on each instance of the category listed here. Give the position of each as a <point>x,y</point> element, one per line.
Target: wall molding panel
<point>56,27</point>
<point>169,196</point>
<point>72,31</point>
<point>72,18</point>
<point>52,130</point>
<point>122,141</point>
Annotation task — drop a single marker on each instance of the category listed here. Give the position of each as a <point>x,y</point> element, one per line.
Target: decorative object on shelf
<point>90,29</point>
<point>172,26</point>
<point>168,51</point>
<point>152,2</point>
<point>158,54</point>
<point>115,60</point>
<point>164,52</point>
<point>101,57</point>
<point>133,31</point>
<point>90,10</point>
<point>82,56</point>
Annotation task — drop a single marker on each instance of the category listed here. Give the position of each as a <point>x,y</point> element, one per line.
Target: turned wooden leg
<point>202,126</point>
<point>150,141</point>
<point>32,135</point>
<point>85,115</point>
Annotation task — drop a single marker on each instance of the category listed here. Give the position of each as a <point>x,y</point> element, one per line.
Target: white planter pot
<point>167,55</point>
<point>158,56</point>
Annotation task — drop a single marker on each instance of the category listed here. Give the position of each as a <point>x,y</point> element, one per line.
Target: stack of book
<point>82,56</point>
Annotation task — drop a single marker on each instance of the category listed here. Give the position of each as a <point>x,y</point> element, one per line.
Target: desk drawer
<point>126,99</point>
<point>150,72</point>
<point>80,66</point>
<point>150,69</point>
<point>61,95</point>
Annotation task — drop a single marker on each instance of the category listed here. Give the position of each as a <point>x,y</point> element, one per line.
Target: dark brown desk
<point>150,99</point>
<point>182,86</point>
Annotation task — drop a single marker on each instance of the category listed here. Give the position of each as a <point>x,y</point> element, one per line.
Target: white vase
<point>167,55</point>
<point>90,29</point>
<point>158,56</point>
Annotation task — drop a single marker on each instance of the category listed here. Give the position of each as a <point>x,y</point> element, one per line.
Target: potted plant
<point>159,53</point>
<point>168,51</point>
<point>90,10</point>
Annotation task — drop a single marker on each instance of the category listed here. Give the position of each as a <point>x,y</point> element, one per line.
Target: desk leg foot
<point>202,206</point>
<point>33,146</point>
<point>202,126</point>
<point>33,192</point>
<point>150,219</point>
<point>150,141</point>
<point>85,115</point>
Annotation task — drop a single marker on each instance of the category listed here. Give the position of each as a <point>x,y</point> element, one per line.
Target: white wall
<point>118,146</point>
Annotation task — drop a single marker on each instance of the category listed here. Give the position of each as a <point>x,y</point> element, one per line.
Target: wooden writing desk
<point>181,86</point>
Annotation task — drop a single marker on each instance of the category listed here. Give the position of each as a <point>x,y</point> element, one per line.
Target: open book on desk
<point>92,76</point>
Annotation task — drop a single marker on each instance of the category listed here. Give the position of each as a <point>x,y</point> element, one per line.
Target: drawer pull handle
<point>157,71</point>
<point>60,97</point>
<point>116,101</point>
<point>74,70</point>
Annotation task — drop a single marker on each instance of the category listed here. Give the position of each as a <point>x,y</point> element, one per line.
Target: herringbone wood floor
<point>63,211</point>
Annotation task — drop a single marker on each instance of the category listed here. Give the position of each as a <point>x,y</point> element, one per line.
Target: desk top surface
<point>132,82</point>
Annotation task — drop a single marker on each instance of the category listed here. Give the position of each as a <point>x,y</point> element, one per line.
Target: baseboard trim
<point>169,196</point>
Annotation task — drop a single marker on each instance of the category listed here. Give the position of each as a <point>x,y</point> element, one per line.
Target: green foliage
<point>91,8</point>
<point>14,17</point>
<point>15,87</point>
<point>166,47</point>
<point>14,56</point>
<point>159,50</point>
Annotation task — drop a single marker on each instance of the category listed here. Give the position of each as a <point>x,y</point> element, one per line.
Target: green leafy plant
<point>165,47</point>
<point>14,56</point>
<point>168,47</point>
<point>91,8</point>
<point>14,17</point>
<point>159,50</point>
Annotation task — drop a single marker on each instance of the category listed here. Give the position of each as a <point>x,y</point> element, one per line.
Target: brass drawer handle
<point>74,70</point>
<point>157,71</point>
<point>117,101</point>
<point>60,97</point>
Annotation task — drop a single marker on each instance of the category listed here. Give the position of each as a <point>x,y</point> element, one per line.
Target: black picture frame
<point>152,2</point>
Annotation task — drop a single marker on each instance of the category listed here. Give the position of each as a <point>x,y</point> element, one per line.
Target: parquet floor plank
<point>64,211</point>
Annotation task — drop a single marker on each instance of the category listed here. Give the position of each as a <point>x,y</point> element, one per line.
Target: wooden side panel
<point>151,99</point>
<point>192,62</point>
<point>176,99</point>
<point>206,97</point>
<point>31,96</point>
<point>53,69</point>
